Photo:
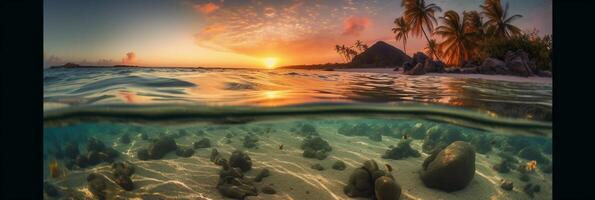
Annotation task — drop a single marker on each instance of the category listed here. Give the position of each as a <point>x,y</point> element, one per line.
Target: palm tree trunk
<point>433,50</point>
<point>405,46</point>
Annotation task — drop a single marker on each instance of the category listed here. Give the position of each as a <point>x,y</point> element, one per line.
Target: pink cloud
<point>129,58</point>
<point>354,26</point>
<point>206,8</point>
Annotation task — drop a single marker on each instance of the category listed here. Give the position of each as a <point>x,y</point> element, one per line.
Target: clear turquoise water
<point>211,103</point>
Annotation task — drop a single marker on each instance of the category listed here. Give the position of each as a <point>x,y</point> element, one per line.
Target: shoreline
<point>510,78</point>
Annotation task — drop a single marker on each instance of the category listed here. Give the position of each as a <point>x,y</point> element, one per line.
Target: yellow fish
<point>55,169</point>
<point>531,165</point>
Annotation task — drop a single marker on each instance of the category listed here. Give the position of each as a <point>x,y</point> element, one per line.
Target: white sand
<point>532,79</point>
<point>196,177</point>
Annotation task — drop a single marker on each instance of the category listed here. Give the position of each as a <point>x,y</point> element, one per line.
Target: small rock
<point>386,188</point>
<point>250,141</point>
<point>530,189</point>
<point>507,185</point>
<point>268,190</point>
<point>401,151</point>
<point>184,152</point>
<point>161,146</point>
<point>125,182</point>
<point>339,165</point>
<point>97,184</point>
<point>262,174</point>
<point>203,143</point>
<point>317,166</point>
<point>122,169</point>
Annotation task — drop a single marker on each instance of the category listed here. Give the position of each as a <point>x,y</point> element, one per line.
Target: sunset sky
<point>228,33</point>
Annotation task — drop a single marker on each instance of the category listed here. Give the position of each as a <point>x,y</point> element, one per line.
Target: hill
<point>381,54</point>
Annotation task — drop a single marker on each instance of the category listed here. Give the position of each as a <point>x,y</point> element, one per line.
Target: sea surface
<point>270,114</point>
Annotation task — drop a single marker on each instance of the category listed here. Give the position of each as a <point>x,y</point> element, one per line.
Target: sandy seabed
<point>196,177</point>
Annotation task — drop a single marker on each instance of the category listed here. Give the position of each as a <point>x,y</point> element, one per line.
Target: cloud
<point>206,8</point>
<point>129,58</point>
<point>354,26</point>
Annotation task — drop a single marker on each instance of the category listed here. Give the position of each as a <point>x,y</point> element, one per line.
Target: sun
<point>270,62</point>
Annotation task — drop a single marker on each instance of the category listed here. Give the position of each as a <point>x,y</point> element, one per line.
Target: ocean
<point>199,133</point>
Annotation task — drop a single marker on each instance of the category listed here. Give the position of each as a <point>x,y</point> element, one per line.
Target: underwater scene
<point>170,133</point>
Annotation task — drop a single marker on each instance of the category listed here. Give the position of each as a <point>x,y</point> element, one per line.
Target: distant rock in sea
<point>381,54</point>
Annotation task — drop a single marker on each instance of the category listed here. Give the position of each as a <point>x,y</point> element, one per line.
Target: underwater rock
<point>362,182</point>
<point>125,182</point>
<point>202,143</point>
<point>530,189</point>
<point>241,160</point>
<point>361,129</point>
<point>233,184</point>
<point>110,154</point>
<point>438,137</point>
<point>161,146</point>
<point>144,136</point>
<point>533,153</point>
<point>317,166</point>
<point>315,147</point>
<point>143,154</point>
<point>93,144</point>
<point>481,143</point>
<point>307,130</point>
<point>386,188</point>
<point>217,158</point>
<point>184,152</point>
<point>401,151</point>
<point>71,150</point>
<point>450,169</point>
<point>268,190</point>
<point>125,139</point>
<point>93,158</point>
<point>507,185</point>
<point>97,184</point>
<point>122,169</point>
<point>339,165</point>
<point>262,174</point>
<point>50,189</point>
<point>502,167</point>
<point>250,141</point>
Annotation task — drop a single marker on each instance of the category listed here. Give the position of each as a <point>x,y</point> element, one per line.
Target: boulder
<point>419,57</point>
<point>143,154</point>
<point>385,188</point>
<point>491,66</point>
<point>162,146</point>
<point>240,160</point>
<point>518,63</point>
<point>431,66</point>
<point>401,151</point>
<point>451,169</point>
<point>417,70</point>
<point>315,147</point>
<point>122,169</point>
<point>203,143</point>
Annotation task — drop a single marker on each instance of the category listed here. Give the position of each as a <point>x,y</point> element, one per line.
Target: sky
<point>235,33</point>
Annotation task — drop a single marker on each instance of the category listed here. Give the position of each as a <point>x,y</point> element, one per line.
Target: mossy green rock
<point>451,169</point>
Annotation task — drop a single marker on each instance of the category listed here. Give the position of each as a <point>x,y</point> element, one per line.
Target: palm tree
<point>359,45</point>
<point>475,29</point>
<point>499,24</point>
<point>432,45</point>
<point>457,43</point>
<point>401,30</point>
<point>419,16</point>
